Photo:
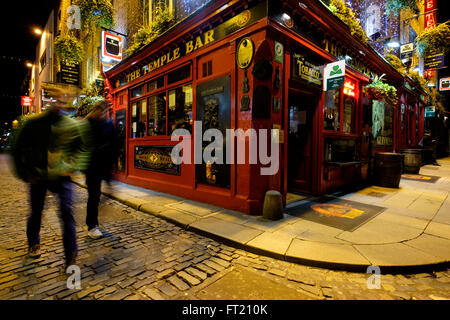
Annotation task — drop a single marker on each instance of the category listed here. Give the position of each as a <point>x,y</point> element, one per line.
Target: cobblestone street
<point>144,257</point>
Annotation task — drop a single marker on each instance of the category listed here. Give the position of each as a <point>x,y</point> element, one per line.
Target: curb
<point>409,269</point>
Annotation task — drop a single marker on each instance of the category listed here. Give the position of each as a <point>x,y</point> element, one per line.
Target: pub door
<point>300,136</point>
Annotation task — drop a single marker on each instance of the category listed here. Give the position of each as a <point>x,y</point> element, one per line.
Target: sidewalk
<point>411,233</point>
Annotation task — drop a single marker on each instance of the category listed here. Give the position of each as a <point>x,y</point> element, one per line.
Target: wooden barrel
<point>387,169</point>
<point>412,159</point>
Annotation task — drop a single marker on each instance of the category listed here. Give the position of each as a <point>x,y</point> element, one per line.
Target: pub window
<point>138,119</point>
<point>137,92</point>
<point>155,84</point>
<point>179,74</point>
<point>180,108</point>
<point>349,107</point>
<point>157,115</point>
<point>332,98</point>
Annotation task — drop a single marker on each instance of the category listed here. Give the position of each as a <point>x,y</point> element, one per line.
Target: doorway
<point>300,136</point>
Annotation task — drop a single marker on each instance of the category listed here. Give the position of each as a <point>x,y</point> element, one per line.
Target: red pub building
<point>258,64</point>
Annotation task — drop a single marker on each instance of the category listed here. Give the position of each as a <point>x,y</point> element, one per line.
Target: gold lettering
<point>176,53</point>
<point>198,43</point>
<point>209,37</point>
<point>157,64</point>
<point>169,59</point>
<point>163,60</point>
<point>138,73</point>
<point>326,44</point>
<point>129,77</point>
<point>189,46</point>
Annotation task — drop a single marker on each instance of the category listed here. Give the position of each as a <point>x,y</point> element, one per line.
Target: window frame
<point>164,89</point>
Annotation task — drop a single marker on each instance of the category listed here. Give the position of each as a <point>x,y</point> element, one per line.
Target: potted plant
<point>378,90</point>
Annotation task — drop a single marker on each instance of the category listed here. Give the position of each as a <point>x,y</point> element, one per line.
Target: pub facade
<point>254,65</point>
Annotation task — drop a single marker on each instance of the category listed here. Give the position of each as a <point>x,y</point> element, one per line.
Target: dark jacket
<point>104,148</point>
<point>47,145</point>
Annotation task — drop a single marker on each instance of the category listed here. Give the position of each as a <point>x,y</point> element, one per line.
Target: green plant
<point>146,34</point>
<point>393,7</point>
<point>68,49</point>
<point>436,40</point>
<point>420,81</point>
<point>395,62</point>
<point>343,12</point>
<point>87,99</point>
<point>96,12</point>
<point>379,90</point>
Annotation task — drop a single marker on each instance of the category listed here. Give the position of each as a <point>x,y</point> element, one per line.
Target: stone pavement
<point>142,256</point>
<point>412,233</point>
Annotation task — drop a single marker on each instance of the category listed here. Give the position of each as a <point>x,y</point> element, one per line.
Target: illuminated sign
<point>26,101</point>
<point>430,5</point>
<point>444,84</point>
<point>111,46</point>
<point>430,20</point>
<point>349,88</point>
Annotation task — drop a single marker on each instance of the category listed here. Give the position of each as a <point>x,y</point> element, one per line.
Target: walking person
<point>104,152</point>
<point>47,149</point>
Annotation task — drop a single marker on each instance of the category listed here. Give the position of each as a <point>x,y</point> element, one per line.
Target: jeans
<point>94,184</point>
<point>63,188</point>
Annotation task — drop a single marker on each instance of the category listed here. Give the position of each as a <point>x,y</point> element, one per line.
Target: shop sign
<point>70,73</point>
<point>208,37</point>
<point>278,52</point>
<point>435,61</point>
<point>155,158</point>
<point>245,52</point>
<point>305,70</point>
<point>334,75</point>
<point>444,84</point>
<point>429,111</point>
<point>26,101</point>
<point>406,50</point>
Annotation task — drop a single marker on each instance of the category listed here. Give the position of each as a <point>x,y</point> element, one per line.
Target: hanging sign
<point>429,112</point>
<point>444,84</point>
<point>334,75</point>
<point>70,73</point>
<point>406,50</point>
<point>111,46</point>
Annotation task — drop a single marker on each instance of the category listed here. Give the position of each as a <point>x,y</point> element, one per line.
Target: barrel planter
<point>412,159</point>
<point>387,169</point>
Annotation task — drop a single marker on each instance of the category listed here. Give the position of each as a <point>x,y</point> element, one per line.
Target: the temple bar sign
<point>230,26</point>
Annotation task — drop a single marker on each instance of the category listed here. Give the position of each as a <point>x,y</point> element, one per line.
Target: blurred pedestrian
<point>47,149</point>
<point>104,152</point>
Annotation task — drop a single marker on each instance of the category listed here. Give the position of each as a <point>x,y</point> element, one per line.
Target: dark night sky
<point>17,19</point>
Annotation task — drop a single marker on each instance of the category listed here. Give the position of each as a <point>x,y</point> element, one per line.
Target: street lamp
<point>37,31</point>
<point>29,65</point>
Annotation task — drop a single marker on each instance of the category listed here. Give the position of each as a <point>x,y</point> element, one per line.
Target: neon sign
<point>349,88</point>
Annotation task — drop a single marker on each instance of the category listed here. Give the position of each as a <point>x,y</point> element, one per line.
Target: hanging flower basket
<point>343,12</point>
<point>147,34</point>
<point>96,12</point>
<point>68,49</point>
<point>393,7</point>
<point>378,90</point>
<point>434,41</point>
